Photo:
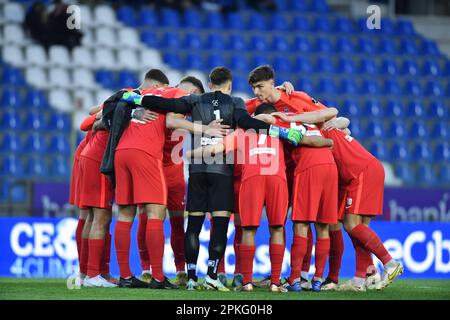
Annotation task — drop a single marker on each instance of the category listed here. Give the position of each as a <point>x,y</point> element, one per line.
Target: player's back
<point>351,157</point>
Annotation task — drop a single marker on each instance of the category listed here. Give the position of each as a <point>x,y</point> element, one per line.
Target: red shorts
<point>365,193</point>
<point>95,189</point>
<point>237,187</point>
<point>259,190</point>
<point>74,182</point>
<point>176,187</point>
<point>342,199</point>
<point>315,195</point>
<point>140,178</point>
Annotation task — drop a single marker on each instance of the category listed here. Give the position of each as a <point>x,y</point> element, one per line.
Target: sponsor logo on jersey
<point>256,151</point>
<point>210,141</point>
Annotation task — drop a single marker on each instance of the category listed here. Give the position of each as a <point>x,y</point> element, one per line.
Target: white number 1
<point>217,114</point>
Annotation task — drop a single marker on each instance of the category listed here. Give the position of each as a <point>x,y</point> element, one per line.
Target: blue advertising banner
<point>39,247</point>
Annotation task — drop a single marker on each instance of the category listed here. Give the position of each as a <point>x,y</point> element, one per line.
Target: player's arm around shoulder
<point>317,142</point>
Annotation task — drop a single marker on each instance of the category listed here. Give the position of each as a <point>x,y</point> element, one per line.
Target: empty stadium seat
<point>14,34</point>
<point>379,150</point>
<point>279,22</point>
<point>257,42</point>
<point>442,152</point>
<point>319,6</point>
<point>11,142</point>
<point>410,67</point>
<point>11,98</point>
<point>150,39</point>
<point>433,88</point>
<point>326,85</point>
<point>298,5</point>
<point>37,77</point>
<point>303,64</point>
<point>440,130</point>
<point>12,167</point>
<point>365,45</point>
<point>370,86</point>
<point>13,12</point>
<point>59,78</point>
<point>422,151</point>
<point>235,21</point>
<point>356,129</point>
<point>418,129</point>
<point>304,84</point>
<point>438,110</point>
<point>236,42</point>
<point>35,56</point>
<point>394,108</point>
<point>11,120</point>
<point>105,59</point>
<point>302,44</point>
<point>214,20</point>
<point>127,79</point>
<point>83,78</point>
<point>150,58</point>
<point>351,108</point>
<point>60,168</point>
<point>387,45</point>
<point>407,46</point>
<point>444,174</point>
<point>106,37</point>
<point>214,60</point>
<point>35,120</point>
<point>194,61</point>
<point>324,64</point>
<point>344,45</point>
<point>147,17</point>
<point>348,86</point>
<point>128,59</point>
<point>323,44</point>
<point>105,78</point>
<point>281,63</point>
<point>392,87</point>
<point>36,167</point>
<point>13,55</point>
<point>412,87</point>
<point>405,172</point>
<point>12,76</point>
<point>36,99</point>
<point>375,129</point>
<point>389,67</point>
<point>82,57</point>
<point>173,60</point>
<point>397,129</point>
<point>425,174</point>
<point>171,39</point>
<point>193,40</point>
<point>299,23</point>
<point>128,38</point>
<point>127,15</point>
<point>59,56</point>
<point>367,65</point>
<point>215,41</point>
<point>104,16</point>
<point>280,43</point>
<point>256,22</point>
<point>415,109</point>
<point>322,24</point>
<point>400,151</point>
<point>59,143</point>
<point>344,24</point>
<point>239,63</point>
<point>405,27</point>
<point>60,122</point>
<point>374,109</point>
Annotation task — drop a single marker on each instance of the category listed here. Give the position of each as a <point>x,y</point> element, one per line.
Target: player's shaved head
<point>192,84</point>
<point>265,108</point>
<point>156,75</point>
<point>261,73</point>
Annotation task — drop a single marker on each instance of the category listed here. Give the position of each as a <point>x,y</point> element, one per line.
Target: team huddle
<point>278,150</point>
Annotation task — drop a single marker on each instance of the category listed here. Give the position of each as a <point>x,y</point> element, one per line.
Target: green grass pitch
<point>56,289</point>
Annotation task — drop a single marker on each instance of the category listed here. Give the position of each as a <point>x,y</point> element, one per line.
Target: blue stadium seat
<point>127,79</point>
<point>304,84</point>
<point>319,6</point>
<point>348,86</point>
<point>356,129</point>
<point>299,23</point>
<point>279,22</point>
<point>150,39</point>
<point>429,47</point>
<point>322,24</point>
<point>351,109</point>
<point>280,44</point>
<point>400,151</point>
<point>438,109</point>
<point>415,109</point>
<point>434,88</point>
<point>412,87</point>
<point>281,63</point>
<point>35,143</point>
<point>11,143</point>
<point>370,86</point>
<point>368,66</point>
<point>442,152</point>
<point>36,99</point>
<point>127,15</point>
<point>214,60</point>
<point>192,18</point>
<point>425,174</point>
<point>171,39</point>
<point>326,85</point>
<point>18,192</point>
<point>392,87</point>
<point>214,20</point>
<point>35,121</point>
<point>147,17</point>
<point>235,21</point>
<point>407,46</point>
<point>236,42</point>
<point>259,60</point>
<point>173,60</point>
<point>59,143</point>
<point>394,108</point>
<point>323,44</point>
<point>374,109</point>
<point>193,40</point>
<point>365,45</point>
<point>11,98</point>
<point>397,130</point>
<point>282,5</point>
<point>80,136</point>
<point>169,18</point>
<point>441,130</point>
<point>405,172</point>
<point>375,129</point>
<point>240,84</point>
<point>344,24</point>
<point>60,167</point>
<point>431,68</point>
<point>194,61</point>
<point>256,21</point>
<point>105,78</point>
<point>387,45</point>
<point>302,44</point>
<point>303,64</point>
<point>422,151</point>
<point>418,129</point>
<point>405,27</point>
<point>324,64</point>
<point>298,6</point>
<point>344,45</point>
<point>60,122</point>
<point>12,76</point>
<point>444,174</point>
<point>387,26</point>
<point>36,167</point>
<point>410,68</point>
<point>238,62</point>
<point>215,41</point>
<point>380,151</point>
<point>389,67</point>
<point>12,167</point>
<point>346,66</point>
<point>258,43</point>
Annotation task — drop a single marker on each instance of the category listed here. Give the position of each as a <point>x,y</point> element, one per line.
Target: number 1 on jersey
<point>217,114</point>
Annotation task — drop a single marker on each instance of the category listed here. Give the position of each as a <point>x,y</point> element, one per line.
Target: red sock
<point>142,247</point>
<point>247,256</point>
<point>106,257</point>
<point>122,240</point>
<point>96,247</point>
<point>276,252</point>
<point>307,259</point>
<point>78,233</point>
<point>221,267</point>
<point>154,236</point>
<point>177,242</point>
<point>371,242</point>
<point>237,249</point>
<point>322,252</point>
<point>84,255</point>
<point>360,254</point>
<point>298,251</point>
<point>336,252</point>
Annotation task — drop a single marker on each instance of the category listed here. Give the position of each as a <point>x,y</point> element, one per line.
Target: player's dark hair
<point>261,73</point>
<point>220,75</point>
<point>195,82</point>
<point>265,108</point>
<point>157,75</point>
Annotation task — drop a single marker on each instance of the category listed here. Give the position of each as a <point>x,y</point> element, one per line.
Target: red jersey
<point>351,157</point>
<point>298,102</point>
<point>95,148</point>
<point>148,137</point>
<point>82,144</point>
<point>259,154</point>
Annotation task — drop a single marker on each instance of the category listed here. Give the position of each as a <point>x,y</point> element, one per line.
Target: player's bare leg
<point>238,277</point>
<point>336,252</point>
<point>322,252</point>
<point>298,251</point>
<point>84,256</point>
<point>177,243</point>
<point>142,246</point>
<point>192,246</point>
<point>276,252</point>
<point>248,254</point>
